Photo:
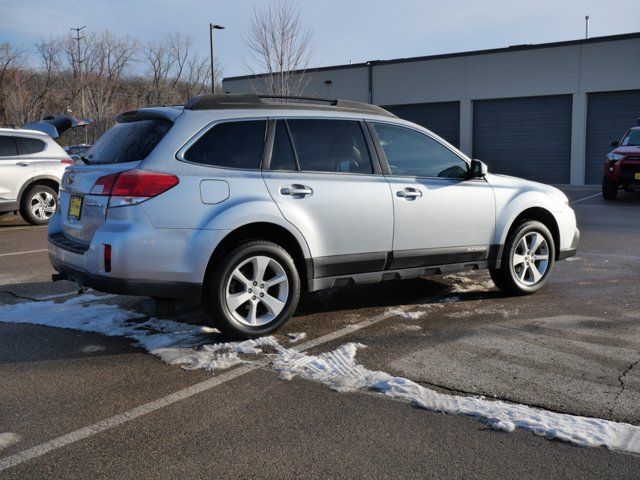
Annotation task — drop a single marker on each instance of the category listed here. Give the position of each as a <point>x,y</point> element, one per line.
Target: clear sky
<point>344,30</point>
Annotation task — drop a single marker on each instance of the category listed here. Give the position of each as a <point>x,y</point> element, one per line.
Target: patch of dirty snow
<point>465,284</point>
<point>339,370</point>
<point>408,315</point>
<point>7,439</point>
<point>296,336</point>
<point>93,349</point>
<point>190,347</point>
<point>572,259</point>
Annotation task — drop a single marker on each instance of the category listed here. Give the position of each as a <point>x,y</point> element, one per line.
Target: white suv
<point>241,202</point>
<point>31,168</point>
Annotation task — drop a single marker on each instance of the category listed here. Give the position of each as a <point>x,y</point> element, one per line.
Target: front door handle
<point>409,193</point>
<point>23,164</point>
<point>297,191</point>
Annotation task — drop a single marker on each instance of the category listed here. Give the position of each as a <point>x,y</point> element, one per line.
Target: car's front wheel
<point>527,259</point>
<point>253,290</point>
<point>38,204</point>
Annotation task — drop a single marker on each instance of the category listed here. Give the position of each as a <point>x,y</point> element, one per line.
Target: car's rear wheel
<point>609,189</point>
<point>527,259</point>
<point>253,290</point>
<point>38,204</point>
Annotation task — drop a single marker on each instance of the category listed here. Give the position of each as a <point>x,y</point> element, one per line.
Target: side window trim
<point>383,156</point>
<point>293,144</point>
<point>204,130</point>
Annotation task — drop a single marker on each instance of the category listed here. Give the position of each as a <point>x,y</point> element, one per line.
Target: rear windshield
<point>128,141</point>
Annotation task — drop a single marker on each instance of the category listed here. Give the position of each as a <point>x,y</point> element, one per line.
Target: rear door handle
<point>23,164</point>
<point>296,190</point>
<point>409,193</point>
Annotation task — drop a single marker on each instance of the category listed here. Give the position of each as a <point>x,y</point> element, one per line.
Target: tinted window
<point>282,157</point>
<point>330,146</point>
<point>29,145</point>
<point>632,139</point>
<point>412,153</point>
<point>7,147</point>
<point>232,144</point>
<point>128,141</point>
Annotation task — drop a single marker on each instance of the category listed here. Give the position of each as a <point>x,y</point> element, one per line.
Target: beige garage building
<point>545,112</point>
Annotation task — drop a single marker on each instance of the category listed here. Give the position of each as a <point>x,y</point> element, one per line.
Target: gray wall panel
<point>527,137</point>
<point>442,118</point>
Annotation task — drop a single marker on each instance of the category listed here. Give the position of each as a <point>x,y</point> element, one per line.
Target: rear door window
<point>230,145</point>
<point>128,141</point>
<point>28,146</point>
<point>7,147</point>
<point>330,146</point>
<point>282,157</point>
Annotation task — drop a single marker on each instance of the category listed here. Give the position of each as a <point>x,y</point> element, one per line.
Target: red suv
<point>622,168</point>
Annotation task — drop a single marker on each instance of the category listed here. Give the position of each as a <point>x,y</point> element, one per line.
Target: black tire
<point>31,196</point>
<point>215,288</point>
<point>609,189</point>
<point>505,277</point>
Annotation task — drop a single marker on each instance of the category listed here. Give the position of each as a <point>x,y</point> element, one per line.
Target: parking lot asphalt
<point>572,348</point>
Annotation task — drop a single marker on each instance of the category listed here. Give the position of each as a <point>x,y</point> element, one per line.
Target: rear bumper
<point>101,283</point>
<point>573,249</point>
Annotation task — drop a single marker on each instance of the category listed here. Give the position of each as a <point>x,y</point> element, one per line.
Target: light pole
<point>212,27</point>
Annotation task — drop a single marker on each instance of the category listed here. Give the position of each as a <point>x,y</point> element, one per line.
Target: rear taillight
<point>67,161</point>
<point>104,185</point>
<point>133,186</point>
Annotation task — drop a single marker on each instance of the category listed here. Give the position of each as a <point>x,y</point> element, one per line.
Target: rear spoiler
<point>56,125</point>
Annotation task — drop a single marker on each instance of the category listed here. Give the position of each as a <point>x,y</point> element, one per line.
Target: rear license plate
<point>637,176</point>
<point>75,207</point>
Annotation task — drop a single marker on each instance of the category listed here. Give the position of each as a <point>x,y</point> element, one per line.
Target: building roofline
<point>513,48</point>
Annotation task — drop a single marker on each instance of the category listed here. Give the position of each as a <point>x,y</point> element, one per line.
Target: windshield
<point>128,141</point>
<point>631,139</point>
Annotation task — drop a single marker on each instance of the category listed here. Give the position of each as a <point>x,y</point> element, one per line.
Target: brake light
<point>133,186</point>
<point>104,185</point>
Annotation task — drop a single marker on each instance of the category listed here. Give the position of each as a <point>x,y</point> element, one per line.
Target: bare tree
<point>11,60</point>
<point>281,48</point>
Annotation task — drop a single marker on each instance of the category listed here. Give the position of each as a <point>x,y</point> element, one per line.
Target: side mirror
<point>478,169</point>
<point>615,143</point>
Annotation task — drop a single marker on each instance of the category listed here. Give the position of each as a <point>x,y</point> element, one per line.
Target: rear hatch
<point>83,204</point>
<point>56,125</point>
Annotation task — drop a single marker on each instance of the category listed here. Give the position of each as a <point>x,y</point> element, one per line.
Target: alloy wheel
<point>43,205</point>
<point>530,258</point>
<point>257,291</point>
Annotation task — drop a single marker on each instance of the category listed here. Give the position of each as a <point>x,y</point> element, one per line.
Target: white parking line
<point>22,253</point>
<point>586,198</point>
<point>11,229</point>
<point>132,414</point>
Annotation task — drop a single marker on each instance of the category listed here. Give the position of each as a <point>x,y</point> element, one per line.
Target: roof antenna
<point>586,26</point>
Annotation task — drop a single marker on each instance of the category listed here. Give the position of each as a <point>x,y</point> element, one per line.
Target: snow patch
<point>408,315</point>
<point>190,347</point>
<point>339,370</point>
<point>93,349</point>
<point>296,337</point>
<point>7,439</point>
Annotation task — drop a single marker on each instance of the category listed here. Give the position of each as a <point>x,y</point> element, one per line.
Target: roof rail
<point>250,100</point>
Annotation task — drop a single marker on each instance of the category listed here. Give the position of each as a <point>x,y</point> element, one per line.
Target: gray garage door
<point>525,137</point>
<point>442,118</point>
<point>609,116</point>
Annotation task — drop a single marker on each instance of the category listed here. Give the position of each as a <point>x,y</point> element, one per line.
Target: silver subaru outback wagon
<point>242,203</point>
